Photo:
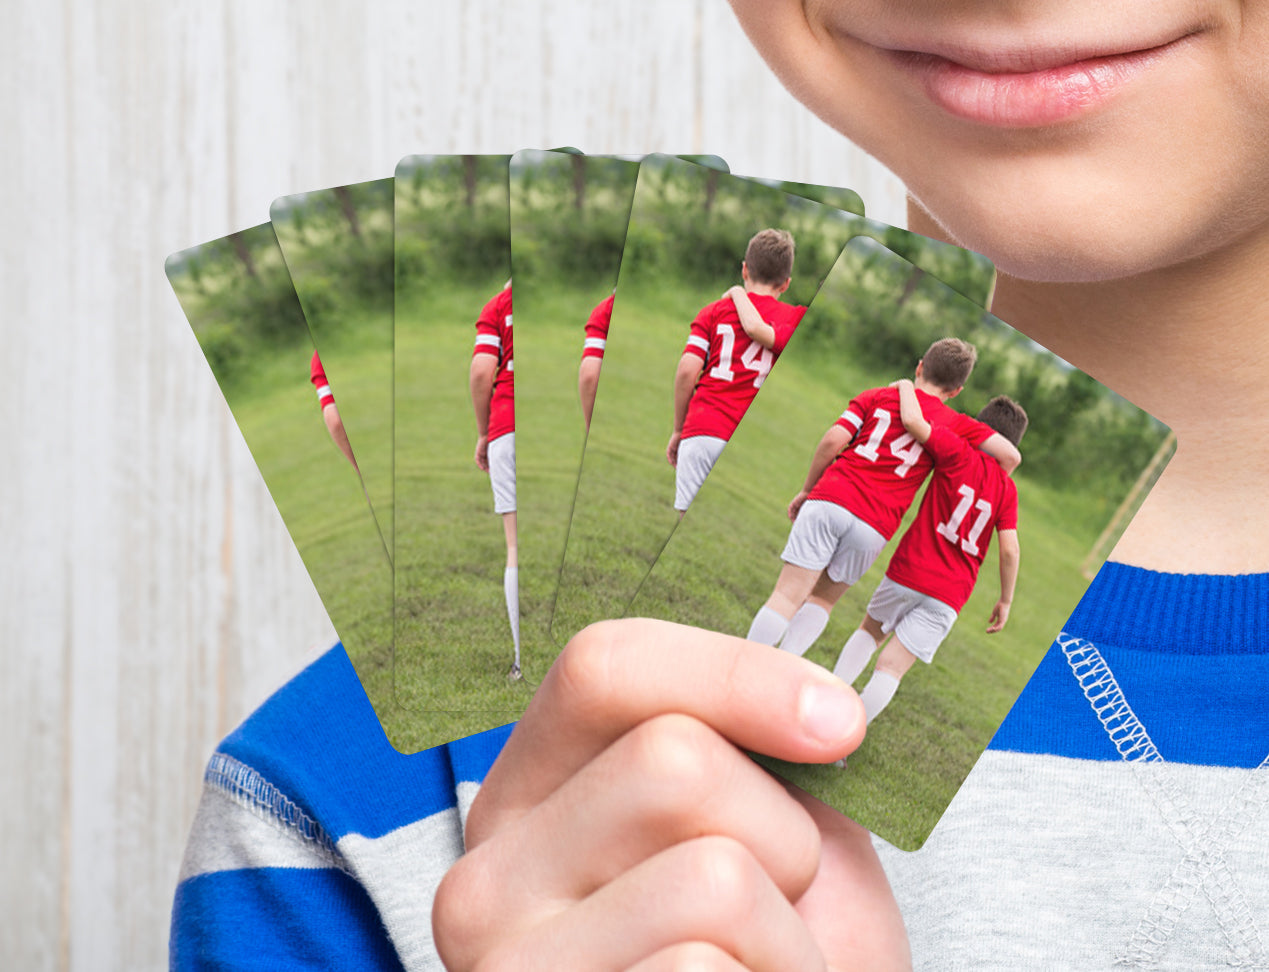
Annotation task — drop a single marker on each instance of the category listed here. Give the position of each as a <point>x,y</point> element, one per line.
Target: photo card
<point>338,247</point>
<point>906,594</point>
<point>458,665</point>
<point>569,214</point>
<point>689,233</point>
<point>237,294</point>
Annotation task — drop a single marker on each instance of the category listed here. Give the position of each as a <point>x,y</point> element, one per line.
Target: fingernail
<point>826,712</point>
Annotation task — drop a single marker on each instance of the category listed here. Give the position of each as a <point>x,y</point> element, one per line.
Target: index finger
<point>614,675</point>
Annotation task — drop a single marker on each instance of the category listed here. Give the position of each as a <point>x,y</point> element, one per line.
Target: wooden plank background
<point>149,594</point>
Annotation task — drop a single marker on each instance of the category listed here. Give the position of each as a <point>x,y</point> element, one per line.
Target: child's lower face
<point>1066,139</point>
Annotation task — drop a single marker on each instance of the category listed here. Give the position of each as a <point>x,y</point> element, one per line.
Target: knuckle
<point>583,670</point>
<point>589,671</point>
<point>456,913</point>
<point>698,957</point>
<point>725,877</point>
<point>681,760</point>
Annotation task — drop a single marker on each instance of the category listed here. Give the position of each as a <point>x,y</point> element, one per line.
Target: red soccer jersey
<point>493,336</point>
<point>969,497</point>
<point>597,328</point>
<point>735,366</point>
<point>877,476</point>
<point>317,375</point>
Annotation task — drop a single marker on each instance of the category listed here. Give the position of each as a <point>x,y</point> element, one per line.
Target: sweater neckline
<point>1146,610</point>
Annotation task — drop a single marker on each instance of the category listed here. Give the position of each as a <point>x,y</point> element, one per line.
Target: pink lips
<point>1025,98</point>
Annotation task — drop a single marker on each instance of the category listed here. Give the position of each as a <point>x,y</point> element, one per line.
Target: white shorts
<point>827,535</point>
<point>502,472</point>
<point>697,456</point>
<point>919,621</point>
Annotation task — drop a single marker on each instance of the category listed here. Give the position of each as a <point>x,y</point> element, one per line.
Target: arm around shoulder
<point>1003,451</point>
<point>758,330</point>
<point>910,411</point>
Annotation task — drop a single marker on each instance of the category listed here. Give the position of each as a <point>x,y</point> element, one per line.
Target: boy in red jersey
<point>935,567</point>
<point>330,411</point>
<point>593,354</point>
<point>492,382</point>
<point>863,477</point>
<point>732,347</point>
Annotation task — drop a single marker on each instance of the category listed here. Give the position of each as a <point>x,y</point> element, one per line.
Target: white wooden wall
<point>149,594</point>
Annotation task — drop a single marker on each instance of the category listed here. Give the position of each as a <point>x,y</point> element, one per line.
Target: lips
<point>1027,86</point>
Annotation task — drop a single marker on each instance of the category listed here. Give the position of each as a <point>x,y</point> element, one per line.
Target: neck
<point>921,385</point>
<point>1190,345</point>
<point>766,290</point>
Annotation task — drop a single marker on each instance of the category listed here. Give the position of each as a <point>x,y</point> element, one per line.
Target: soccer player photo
<point>916,501</point>
<point>569,214</point>
<point>457,621</point>
<point>715,276</point>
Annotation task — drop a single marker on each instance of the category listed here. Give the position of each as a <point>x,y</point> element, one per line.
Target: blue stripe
<point>1190,653</point>
<point>277,919</point>
<point>318,740</point>
<point>1203,709</point>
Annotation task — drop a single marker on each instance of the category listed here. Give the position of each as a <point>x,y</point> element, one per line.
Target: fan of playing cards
<point>730,402</point>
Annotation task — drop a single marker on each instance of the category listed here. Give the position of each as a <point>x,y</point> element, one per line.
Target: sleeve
<point>784,330</point>
<point>317,375</point>
<point>316,845</point>
<point>852,419</point>
<point>702,329</point>
<point>299,916</point>
<point>597,330</point>
<point>489,328</point>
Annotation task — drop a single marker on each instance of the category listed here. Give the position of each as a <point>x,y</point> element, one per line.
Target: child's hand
<point>482,453</point>
<point>672,449</point>
<point>999,617</point>
<point>623,824</point>
<point>795,504</point>
<point>733,291</point>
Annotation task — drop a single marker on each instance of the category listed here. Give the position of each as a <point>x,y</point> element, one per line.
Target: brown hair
<point>948,362</point>
<point>1005,416</point>
<point>769,257</point>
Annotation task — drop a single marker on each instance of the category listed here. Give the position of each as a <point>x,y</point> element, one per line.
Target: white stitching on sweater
<point>253,792</point>
<point>1203,840</point>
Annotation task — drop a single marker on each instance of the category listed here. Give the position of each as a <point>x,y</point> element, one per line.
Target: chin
<point>1057,222</point>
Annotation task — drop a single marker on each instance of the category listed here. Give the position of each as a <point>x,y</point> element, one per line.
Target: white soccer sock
<point>807,625</point>
<point>854,657</point>
<point>768,626</point>
<point>511,588</point>
<point>878,693</point>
